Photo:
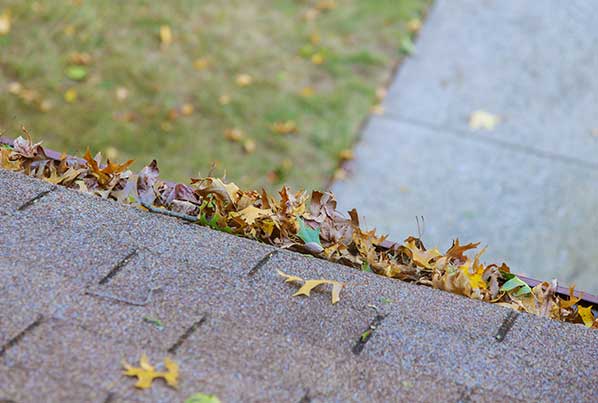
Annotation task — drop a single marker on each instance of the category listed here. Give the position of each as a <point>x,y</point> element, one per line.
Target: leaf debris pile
<point>298,222</point>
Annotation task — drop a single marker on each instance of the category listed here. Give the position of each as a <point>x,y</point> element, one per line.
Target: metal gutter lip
<point>563,291</point>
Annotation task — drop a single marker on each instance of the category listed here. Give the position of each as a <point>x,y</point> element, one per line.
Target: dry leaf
<point>187,109</point>
<point>326,5</point>
<point>5,22</point>
<point>586,315</point>
<point>165,36</point>
<point>80,58</point>
<point>414,25</point>
<point>122,93</point>
<point>201,63</point>
<point>70,95</point>
<point>309,285</point>
<point>224,99</point>
<point>251,213</point>
<point>249,146</point>
<point>234,135</point>
<point>146,373</point>
<point>317,58</point>
<point>285,127</point>
<point>243,80</point>
<point>307,92</point>
<point>482,120</point>
<point>346,155</point>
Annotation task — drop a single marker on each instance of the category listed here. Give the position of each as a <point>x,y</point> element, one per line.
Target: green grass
<point>268,39</point>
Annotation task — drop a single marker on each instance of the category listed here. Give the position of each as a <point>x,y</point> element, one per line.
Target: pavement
<point>528,188</point>
<point>78,275</point>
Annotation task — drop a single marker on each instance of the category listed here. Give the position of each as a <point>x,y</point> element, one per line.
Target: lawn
<point>268,91</point>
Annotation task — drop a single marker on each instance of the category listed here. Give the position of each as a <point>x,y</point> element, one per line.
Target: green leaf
<point>156,322</point>
<point>365,266</point>
<point>308,234</point>
<point>76,73</point>
<point>407,46</point>
<point>202,398</point>
<point>516,282</point>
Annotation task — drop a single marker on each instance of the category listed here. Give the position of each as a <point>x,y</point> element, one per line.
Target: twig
<point>158,210</point>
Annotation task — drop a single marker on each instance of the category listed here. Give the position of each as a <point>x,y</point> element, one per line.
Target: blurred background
<point>271,91</point>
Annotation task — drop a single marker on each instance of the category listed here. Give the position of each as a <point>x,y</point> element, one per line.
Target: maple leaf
<point>146,373</point>
<point>309,285</point>
<point>515,283</point>
<point>421,257</point>
<point>456,250</point>
<point>251,213</point>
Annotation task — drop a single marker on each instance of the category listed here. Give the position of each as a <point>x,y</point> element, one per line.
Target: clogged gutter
<point>297,221</point>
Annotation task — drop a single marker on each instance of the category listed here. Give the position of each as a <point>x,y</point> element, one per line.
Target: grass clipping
<point>296,221</point>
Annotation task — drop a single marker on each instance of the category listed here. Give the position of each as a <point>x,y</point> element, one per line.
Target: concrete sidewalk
<point>528,188</point>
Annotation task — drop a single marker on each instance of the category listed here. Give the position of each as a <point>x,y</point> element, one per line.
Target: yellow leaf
<point>346,155</point>
<point>309,285</point>
<point>251,213</point>
<point>422,257</point>
<point>314,38</point>
<point>285,127</point>
<point>307,92</point>
<point>317,58</point>
<point>146,373</point>
<point>5,22</point>
<point>475,278</point>
<point>586,315</point>
<point>187,109</point>
<point>234,135</point>
<point>224,99</point>
<point>243,80</point>
<point>572,299</point>
<point>70,95</point>
<point>201,64</point>
<point>249,146</point>
<point>414,25</point>
<point>482,120</point>
<point>165,35</point>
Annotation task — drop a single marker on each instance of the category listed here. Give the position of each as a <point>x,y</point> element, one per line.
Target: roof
<point>79,274</point>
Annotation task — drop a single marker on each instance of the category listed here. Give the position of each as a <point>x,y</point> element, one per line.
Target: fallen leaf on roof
<point>308,223</point>
<point>482,120</point>
<point>309,285</point>
<point>202,398</point>
<point>146,373</point>
<point>585,312</point>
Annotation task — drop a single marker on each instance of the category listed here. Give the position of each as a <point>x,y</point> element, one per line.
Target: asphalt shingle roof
<point>78,274</point>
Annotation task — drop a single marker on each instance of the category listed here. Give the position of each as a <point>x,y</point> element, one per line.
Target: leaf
<point>456,250</point>
<point>285,127</point>
<point>516,282</point>
<point>414,25</point>
<point>146,373</point>
<point>421,257</point>
<point>251,213</point>
<point>482,120</point>
<point>243,80</point>
<point>309,285</point>
<point>202,398</point>
<point>308,234</point>
<point>70,95</point>
<point>407,46</point>
<point>156,322</point>
<point>201,63</point>
<point>585,312</point>
<point>76,73</point>
<point>5,22</point>
<point>165,35</point>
